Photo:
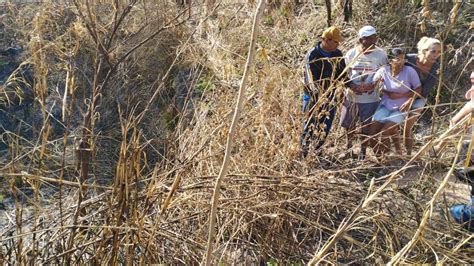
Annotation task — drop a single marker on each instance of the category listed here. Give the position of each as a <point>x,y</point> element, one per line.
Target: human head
<point>429,49</point>
<point>331,39</point>
<point>367,37</point>
<point>396,57</point>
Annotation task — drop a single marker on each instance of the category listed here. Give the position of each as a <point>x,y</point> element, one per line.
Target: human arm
<point>431,79</point>
<point>415,89</point>
<point>311,72</point>
<point>366,87</point>
<point>470,94</point>
<point>467,109</point>
<point>398,95</point>
<point>350,63</point>
<point>407,104</point>
<point>342,70</point>
<point>354,87</point>
<point>377,81</point>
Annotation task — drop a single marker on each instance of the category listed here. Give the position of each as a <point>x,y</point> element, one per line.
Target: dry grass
<point>118,186</point>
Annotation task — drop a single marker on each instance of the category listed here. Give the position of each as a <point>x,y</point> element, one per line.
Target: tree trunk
<point>328,9</point>
<point>347,9</point>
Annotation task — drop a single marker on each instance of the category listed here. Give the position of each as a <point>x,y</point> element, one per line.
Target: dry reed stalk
<point>440,84</point>
<point>428,211</point>
<point>344,226</point>
<point>230,136</point>
<point>273,207</point>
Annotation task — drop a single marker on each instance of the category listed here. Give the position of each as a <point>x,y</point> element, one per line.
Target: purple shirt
<point>407,80</point>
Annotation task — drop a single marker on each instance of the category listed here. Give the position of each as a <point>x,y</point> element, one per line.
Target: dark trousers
<point>314,124</point>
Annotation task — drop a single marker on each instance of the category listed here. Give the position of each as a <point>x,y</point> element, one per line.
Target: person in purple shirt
<point>400,83</point>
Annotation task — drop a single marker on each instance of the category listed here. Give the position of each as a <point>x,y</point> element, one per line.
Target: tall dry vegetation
<point>129,176</point>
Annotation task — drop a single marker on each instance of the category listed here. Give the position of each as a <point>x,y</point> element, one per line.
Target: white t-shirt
<point>362,68</point>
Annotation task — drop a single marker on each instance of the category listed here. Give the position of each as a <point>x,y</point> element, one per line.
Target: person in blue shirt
<point>324,70</point>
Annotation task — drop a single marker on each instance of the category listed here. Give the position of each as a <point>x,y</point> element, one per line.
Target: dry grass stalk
<point>232,129</point>
<point>130,207</point>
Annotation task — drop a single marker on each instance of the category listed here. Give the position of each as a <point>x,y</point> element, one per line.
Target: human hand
<point>470,94</point>
<point>367,87</point>
<point>406,105</point>
<point>390,94</point>
<point>356,89</point>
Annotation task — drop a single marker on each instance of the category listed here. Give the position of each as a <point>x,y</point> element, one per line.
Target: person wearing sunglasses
<point>399,86</point>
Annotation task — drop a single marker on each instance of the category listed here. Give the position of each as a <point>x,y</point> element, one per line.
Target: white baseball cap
<point>366,31</point>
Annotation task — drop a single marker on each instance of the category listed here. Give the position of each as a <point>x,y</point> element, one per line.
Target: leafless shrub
<point>118,186</point>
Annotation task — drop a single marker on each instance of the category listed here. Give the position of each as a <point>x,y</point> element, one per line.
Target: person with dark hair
<point>427,66</point>
<point>400,83</point>
<point>324,69</point>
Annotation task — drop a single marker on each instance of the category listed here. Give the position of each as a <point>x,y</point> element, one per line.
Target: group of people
<point>384,92</point>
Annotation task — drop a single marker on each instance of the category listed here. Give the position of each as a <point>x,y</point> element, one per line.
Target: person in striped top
<point>361,98</point>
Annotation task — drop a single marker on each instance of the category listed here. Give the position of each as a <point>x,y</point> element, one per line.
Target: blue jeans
<point>418,103</point>
<point>312,123</point>
<point>384,115</point>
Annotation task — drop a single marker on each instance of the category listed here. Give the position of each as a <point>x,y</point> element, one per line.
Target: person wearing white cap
<point>361,99</point>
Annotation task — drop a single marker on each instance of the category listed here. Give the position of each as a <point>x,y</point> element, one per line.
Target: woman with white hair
<point>427,66</point>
